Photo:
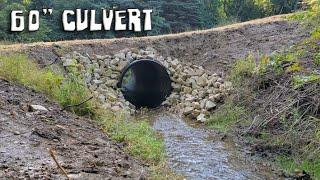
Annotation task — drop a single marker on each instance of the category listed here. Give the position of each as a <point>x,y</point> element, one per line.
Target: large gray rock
<point>34,108</point>
<point>210,105</point>
<point>68,62</point>
<point>202,118</point>
<point>120,55</point>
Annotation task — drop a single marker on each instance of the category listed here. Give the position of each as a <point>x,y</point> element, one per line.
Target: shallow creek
<point>195,153</point>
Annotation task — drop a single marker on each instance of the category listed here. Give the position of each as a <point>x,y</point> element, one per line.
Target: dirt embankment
<point>85,150</point>
<point>81,148</point>
<point>215,48</point>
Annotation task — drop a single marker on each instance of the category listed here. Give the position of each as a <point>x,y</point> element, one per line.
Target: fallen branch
<point>53,155</point>
<point>69,106</point>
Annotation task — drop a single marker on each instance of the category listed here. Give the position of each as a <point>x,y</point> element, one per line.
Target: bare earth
<point>81,147</point>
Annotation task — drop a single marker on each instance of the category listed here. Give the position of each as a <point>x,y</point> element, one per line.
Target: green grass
<point>67,91</point>
<point>225,117</point>
<point>140,141</point>
<point>139,137</point>
<point>17,68</point>
<point>301,16</point>
<point>289,165</point>
<point>293,129</point>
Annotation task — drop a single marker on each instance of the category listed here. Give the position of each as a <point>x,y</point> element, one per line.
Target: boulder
<point>210,105</point>
<point>188,110</point>
<point>97,82</point>
<point>120,55</point>
<point>111,97</point>
<point>33,108</point>
<point>202,118</point>
<point>68,62</point>
<point>102,98</point>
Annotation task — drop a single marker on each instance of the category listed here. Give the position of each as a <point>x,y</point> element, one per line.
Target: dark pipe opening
<point>145,83</point>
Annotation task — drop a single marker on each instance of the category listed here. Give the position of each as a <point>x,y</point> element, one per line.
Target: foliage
<point>284,117</point>
<point>139,139</point>
<point>226,116</point>
<point>316,59</point>
<point>301,80</point>
<point>67,91</point>
<point>242,69</point>
<point>5,35</point>
<point>167,17</point>
<point>290,165</point>
<point>17,68</point>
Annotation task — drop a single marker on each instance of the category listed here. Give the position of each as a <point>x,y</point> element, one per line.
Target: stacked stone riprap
<point>196,92</point>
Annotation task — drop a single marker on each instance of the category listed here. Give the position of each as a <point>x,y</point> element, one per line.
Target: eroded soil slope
<point>81,147</point>
<point>215,48</point>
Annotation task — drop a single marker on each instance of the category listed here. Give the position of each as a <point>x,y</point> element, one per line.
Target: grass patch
<point>289,165</point>
<point>140,141</point>
<point>282,91</point>
<point>17,68</point>
<point>301,16</point>
<point>226,116</point>
<point>66,90</point>
<point>139,137</point>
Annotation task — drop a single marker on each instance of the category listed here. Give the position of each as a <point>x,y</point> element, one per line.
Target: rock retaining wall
<point>196,91</point>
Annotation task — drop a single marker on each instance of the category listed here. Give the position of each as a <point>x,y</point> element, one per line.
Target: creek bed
<point>194,153</point>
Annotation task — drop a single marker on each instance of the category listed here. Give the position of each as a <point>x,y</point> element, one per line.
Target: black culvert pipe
<point>145,83</point>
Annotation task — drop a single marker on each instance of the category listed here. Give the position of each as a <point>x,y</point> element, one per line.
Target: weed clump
<point>226,116</point>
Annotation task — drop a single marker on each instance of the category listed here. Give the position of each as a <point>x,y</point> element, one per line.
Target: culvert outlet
<point>145,83</point>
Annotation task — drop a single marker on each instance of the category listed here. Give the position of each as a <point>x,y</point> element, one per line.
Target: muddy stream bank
<point>197,153</point>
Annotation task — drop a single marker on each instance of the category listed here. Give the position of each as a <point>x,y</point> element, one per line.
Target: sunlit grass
<point>19,69</point>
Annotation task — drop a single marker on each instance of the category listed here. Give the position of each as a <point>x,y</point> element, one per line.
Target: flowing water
<point>196,154</point>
